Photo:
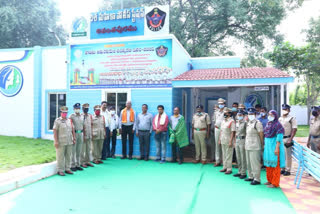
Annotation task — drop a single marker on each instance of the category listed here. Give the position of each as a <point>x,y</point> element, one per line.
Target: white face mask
<point>112,112</point>
<point>251,117</point>
<point>270,118</point>
<point>240,117</point>
<point>285,112</point>
<point>77,111</point>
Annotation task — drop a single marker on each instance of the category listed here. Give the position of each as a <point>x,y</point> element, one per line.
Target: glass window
<point>56,100</point>
<point>118,100</point>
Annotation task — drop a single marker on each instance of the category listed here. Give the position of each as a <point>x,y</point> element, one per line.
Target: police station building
<point>118,56</point>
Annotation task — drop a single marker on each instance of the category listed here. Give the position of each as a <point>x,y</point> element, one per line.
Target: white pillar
<point>282,101</point>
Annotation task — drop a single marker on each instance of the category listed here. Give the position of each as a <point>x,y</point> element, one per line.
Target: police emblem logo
<point>156,19</point>
<point>11,80</point>
<point>162,51</point>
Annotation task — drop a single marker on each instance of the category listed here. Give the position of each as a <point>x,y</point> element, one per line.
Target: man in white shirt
<point>106,149</point>
<point>113,126</point>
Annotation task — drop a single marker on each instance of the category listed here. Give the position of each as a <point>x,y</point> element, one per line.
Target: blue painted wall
<point>93,97</point>
<point>215,62</point>
<point>37,93</point>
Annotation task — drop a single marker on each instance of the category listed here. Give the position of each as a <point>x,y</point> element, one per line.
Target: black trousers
<point>106,145</point>
<point>144,141</point>
<point>176,149</point>
<point>127,131</point>
<point>114,142</point>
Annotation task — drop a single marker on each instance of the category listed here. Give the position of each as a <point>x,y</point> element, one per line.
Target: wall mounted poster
<point>131,64</point>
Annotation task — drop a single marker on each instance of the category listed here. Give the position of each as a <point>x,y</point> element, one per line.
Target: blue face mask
<point>221,106</point>
<point>234,109</point>
<point>240,118</point>
<point>262,114</point>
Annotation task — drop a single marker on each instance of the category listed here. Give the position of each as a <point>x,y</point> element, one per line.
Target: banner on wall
<point>130,22</point>
<point>132,64</point>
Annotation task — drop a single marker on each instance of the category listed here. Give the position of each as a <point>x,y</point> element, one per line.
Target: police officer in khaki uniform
<point>64,139</point>
<point>226,139</point>
<point>218,118</point>
<point>289,124</point>
<point>98,134</point>
<point>243,108</point>
<point>253,145</point>
<point>78,121</point>
<point>87,135</point>
<point>314,133</point>
<point>200,132</point>
<point>241,126</point>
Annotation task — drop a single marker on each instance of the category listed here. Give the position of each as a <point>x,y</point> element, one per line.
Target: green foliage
<point>20,151</point>
<point>26,23</point>
<point>299,96</point>
<point>204,26</point>
<point>253,59</point>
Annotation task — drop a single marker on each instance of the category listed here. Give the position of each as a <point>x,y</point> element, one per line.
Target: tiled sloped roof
<point>231,73</point>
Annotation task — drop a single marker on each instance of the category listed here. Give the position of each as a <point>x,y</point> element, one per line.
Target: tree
<point>204,26</point>
<point>299,96</point>
<point>26,23</point>
<point>253,59</point>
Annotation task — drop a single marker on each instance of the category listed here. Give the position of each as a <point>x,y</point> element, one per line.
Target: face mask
<point>270,118</point>
<point>285,112</point>
<point>251,117</point>
<point>85,110</point>
<point>77,111</point>
<point>97,112</point>
<point>234,109</point>
<point>112,112</point>
<point>263,114</point>
<point>199,113</point>
<point>64,114</point>
<point>240,118</point>
<point>225,115</point>
<point>221,106</point>
<point>315,113</point>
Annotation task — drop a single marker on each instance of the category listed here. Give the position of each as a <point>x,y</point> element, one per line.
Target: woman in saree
<point>274,153</point>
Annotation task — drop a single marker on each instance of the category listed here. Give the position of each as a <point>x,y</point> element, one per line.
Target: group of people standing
<point>258,138</point>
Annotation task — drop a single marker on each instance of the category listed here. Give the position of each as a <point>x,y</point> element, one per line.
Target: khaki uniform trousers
<point>97,149</point>
<point>218,146</point>
<point>200,144</point>
<point>86,151</point>
<point>63,153</point>
<point>241,156</point>
<point>254,164</point>
<point>288,156</point>
<point>227,153</point>
<point>76,150</point>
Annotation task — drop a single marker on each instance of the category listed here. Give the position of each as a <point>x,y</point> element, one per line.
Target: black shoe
<point>130,157</point>
<point>79,168</point>
<point>180,162</point>
<point>237,175</point>
<point>74,169</point>
<point>103,158</point>
<point>243,176</point>
<point>255,182</point>
<point>109,156</point>
<point>123,157</point>
<point>282,172</point>
<point>141,158</point>
<point>286,173</point>
<point>249,179</point>
<point>146,158</point>
<point>113,156</point>
<point>173,161</point>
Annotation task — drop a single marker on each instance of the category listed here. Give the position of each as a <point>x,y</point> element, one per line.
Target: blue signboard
<point>117,23</point>
<point>131,64</point>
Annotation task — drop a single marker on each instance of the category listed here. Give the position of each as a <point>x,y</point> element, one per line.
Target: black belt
<point>144,130</point>
<point>286,136</point>
<point>315,136</point>
<point>240,137</point>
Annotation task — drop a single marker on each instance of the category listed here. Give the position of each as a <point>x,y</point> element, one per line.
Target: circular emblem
<point>156,19</point>
<point>79,25</point>
<point>252,99</point>
<point>11,80</point>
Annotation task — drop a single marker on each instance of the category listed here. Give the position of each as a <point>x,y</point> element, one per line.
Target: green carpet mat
<point>124,186</point>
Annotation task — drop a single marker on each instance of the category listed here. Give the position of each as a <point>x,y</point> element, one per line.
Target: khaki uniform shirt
<point>64,131</point>
<point>241,128</point>
<point>288,122</point>
<point>218,117</point>
<point>315,127</point>
<point>227,127</point>
<point>98,127</point>
<point>253,129</point>
<point>201,121</point>
<point>78,121</point>
<point>87,125</point>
